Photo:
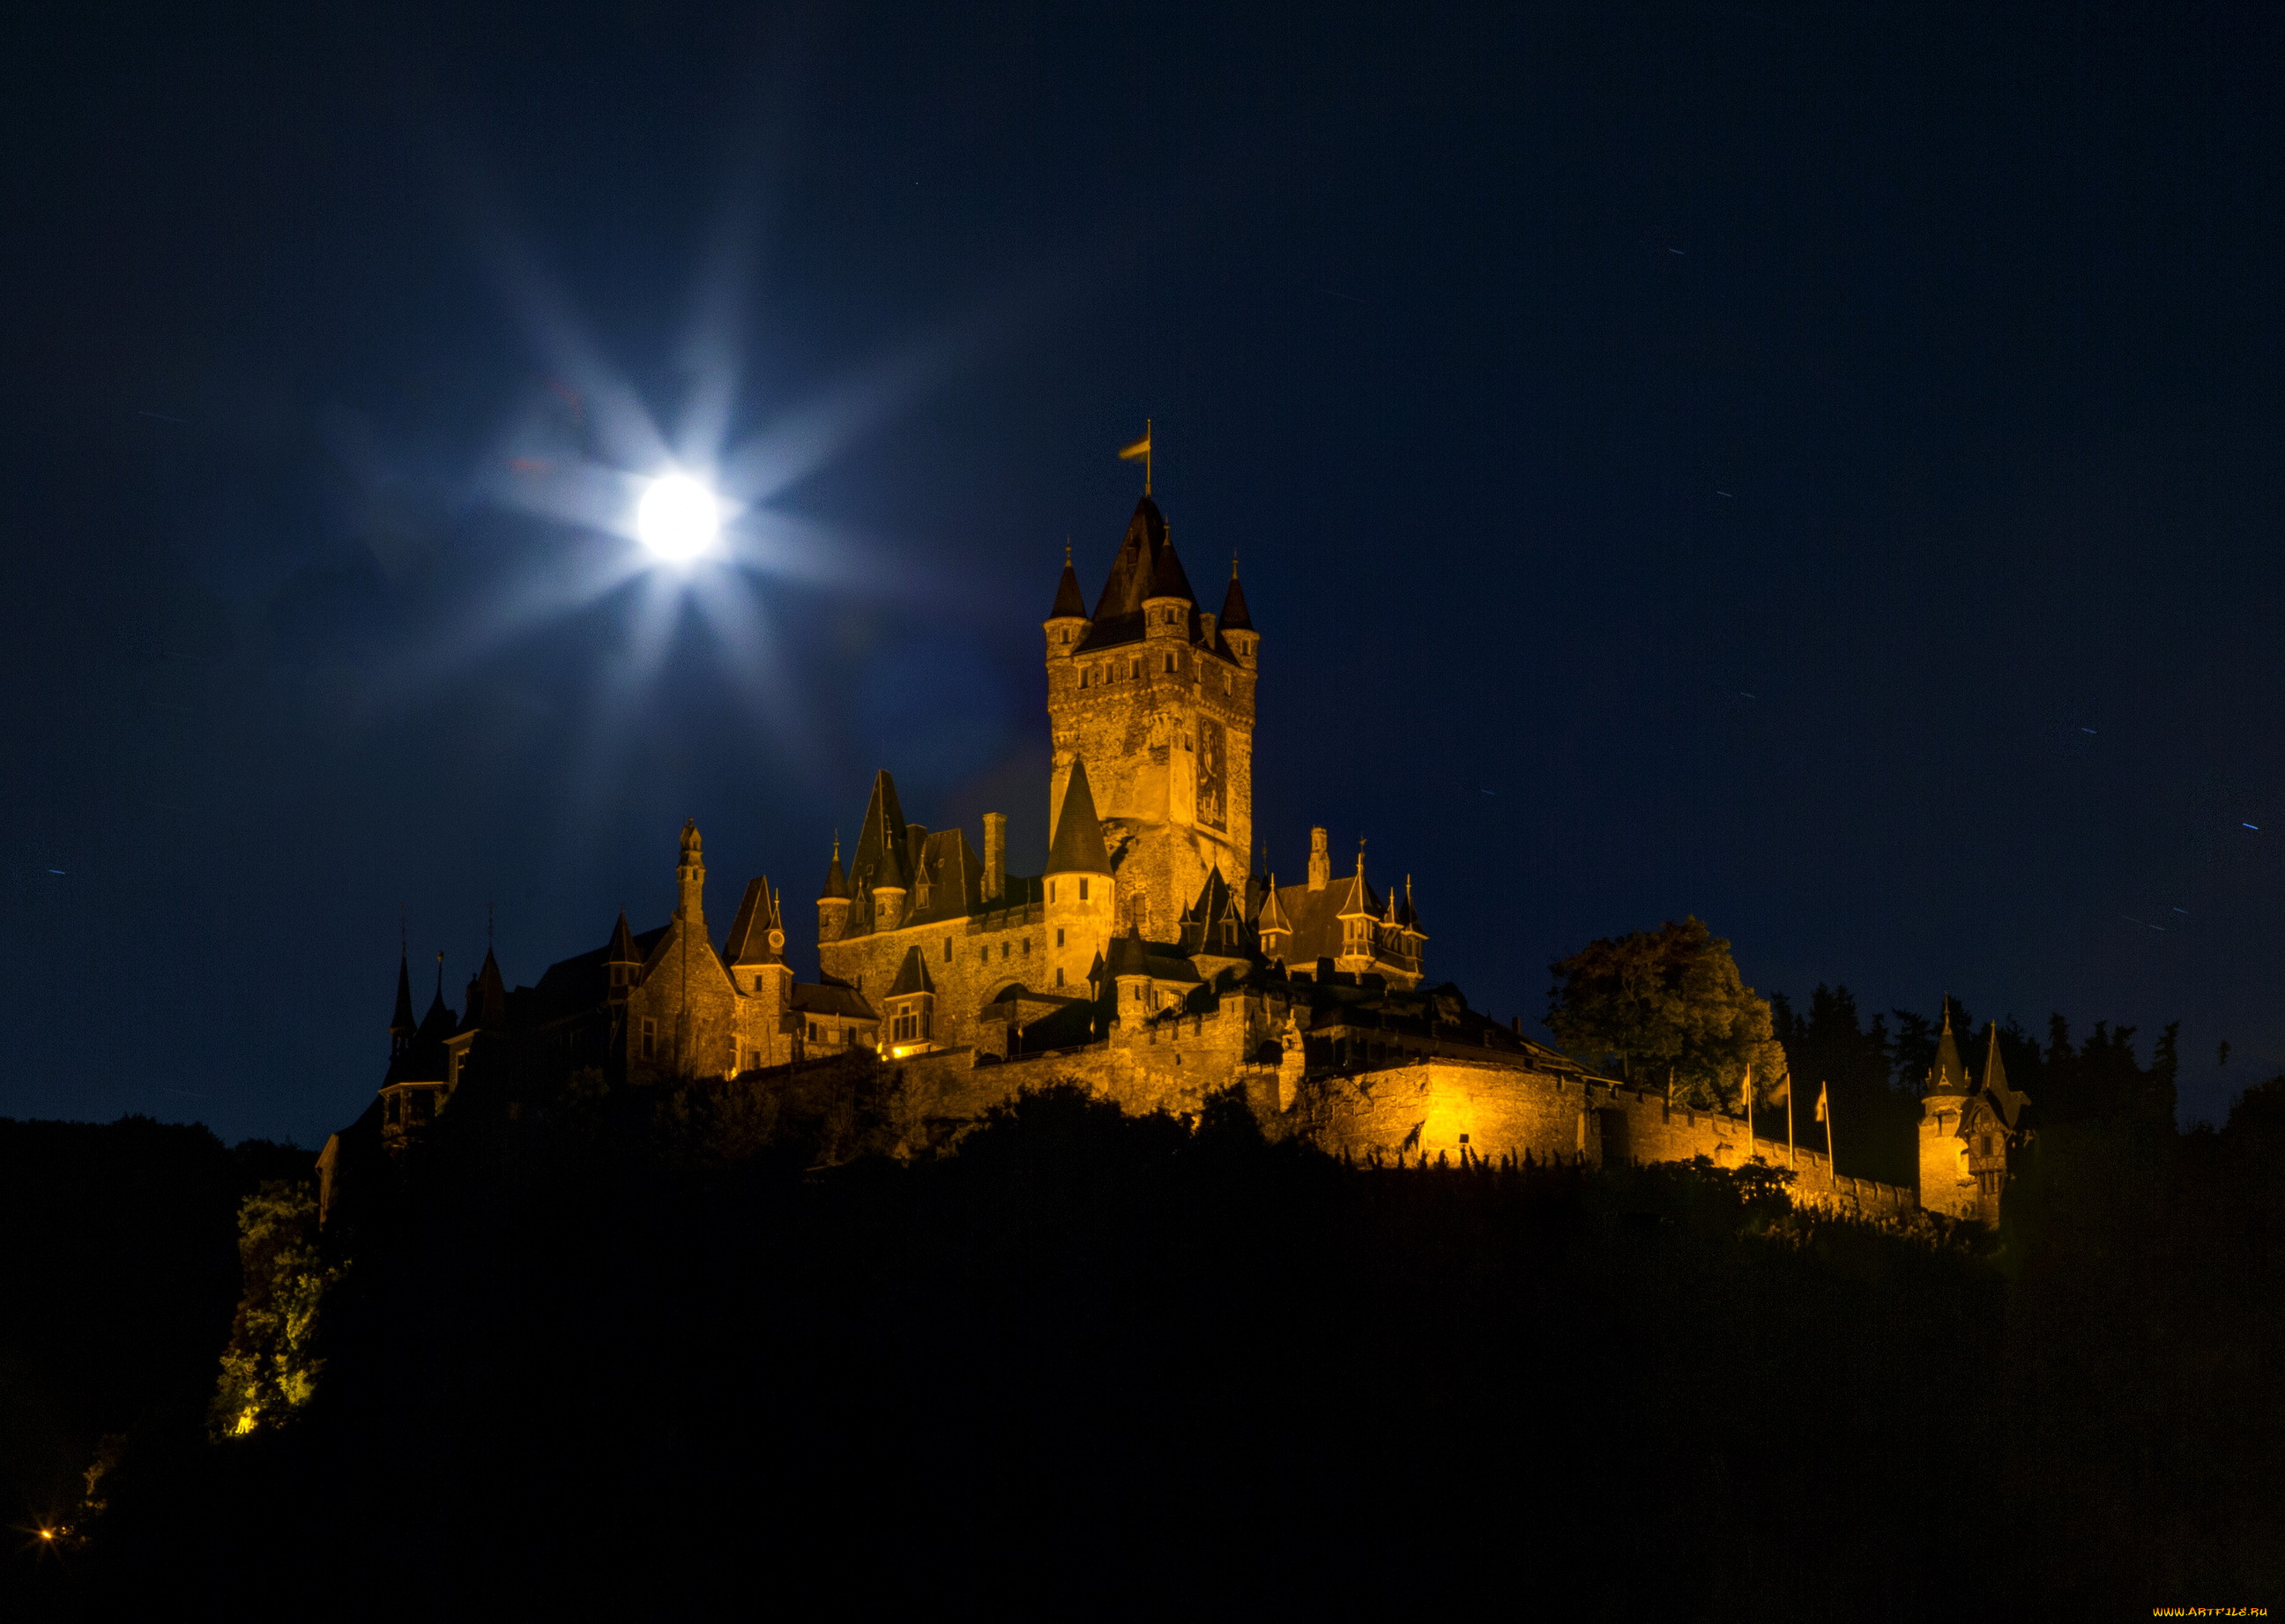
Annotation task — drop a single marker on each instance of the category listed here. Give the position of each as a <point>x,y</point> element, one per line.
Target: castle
<point>1150,961</point>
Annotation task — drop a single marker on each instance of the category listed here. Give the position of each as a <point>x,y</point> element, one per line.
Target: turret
<point>690,879</point>
<point>1271,924</point>
<point>1080,890</point>
<point>1166,607</point>
<point>1066,624</point>
<point>1238,626</point>
<point>833,901</point>
<point>1358,919</point>
<point>1321,861</point>
<point>908,1012</point>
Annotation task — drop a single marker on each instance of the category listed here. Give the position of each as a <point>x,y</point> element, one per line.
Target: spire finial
<point>488,924</point>
<point>1066,552</point>
<point>1233,566</point>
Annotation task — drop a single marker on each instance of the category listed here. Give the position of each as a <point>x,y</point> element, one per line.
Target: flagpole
<point>1148,446</point>
<point>1792,1161</point>
<point>1831,1154</point>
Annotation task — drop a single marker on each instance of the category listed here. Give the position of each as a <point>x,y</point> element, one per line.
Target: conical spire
<point>438,1022</point>
<point>1136,571</point>
<point>487,1004</point>
<point>1950,1076</point>
<point>756,934</point>
<point>622,944</point>
<point>836,883</point>
<point>880,857</point>
<point>1078,846</point>
<point>401,1024</point>
<point>1071,602</point>
<point>1234,616</point>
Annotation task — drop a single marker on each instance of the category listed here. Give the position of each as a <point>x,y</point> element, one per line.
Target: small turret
<point>690,878</point>
<point>621,960</point>
<point>1066,624</point>
<point>1236,624</point>
<point>1079,883</point>
<point>1321,861</point>
<point>833,901</point>
<point>1271,924</point>
<point>996,857</point>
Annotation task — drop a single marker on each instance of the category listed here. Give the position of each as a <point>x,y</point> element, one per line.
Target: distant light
<point>47,1533</point>
<point>2255,828</point>
<point>678,517</point>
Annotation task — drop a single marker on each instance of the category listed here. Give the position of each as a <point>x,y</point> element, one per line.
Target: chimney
<point>1321,861</point>
<point>996,856</point>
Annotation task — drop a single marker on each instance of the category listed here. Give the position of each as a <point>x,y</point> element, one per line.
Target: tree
<point>270,1367</point>
<point>1669,1004</point>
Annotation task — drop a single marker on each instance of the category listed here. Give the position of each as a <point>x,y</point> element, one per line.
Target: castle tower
<point>762,978</point>
<point>1082,895</point>
<point>1967,1132</point>
<point>1158,700</point>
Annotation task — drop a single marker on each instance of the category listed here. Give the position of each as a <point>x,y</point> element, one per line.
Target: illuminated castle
<point>1148,961</point>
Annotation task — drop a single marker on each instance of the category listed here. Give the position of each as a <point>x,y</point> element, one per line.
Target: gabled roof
<point>1078,846</point>
<point>1216,923</point>
<point>749,932</point>
<point>832,997</point>
<point>951,875</point>
<point>912,975</point>
<point>1234,616</point>
<point>1070,601</point>
<point>622,948</point>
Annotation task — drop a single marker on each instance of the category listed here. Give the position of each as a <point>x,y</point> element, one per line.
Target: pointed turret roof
<point>880,859</point>
<point>1078,846</point>
<point>401,1026</point>
<point>1136,566</point>
<point>749,932</point>
<point>912,975</point>
<point>1406,914</point>
<point>1357,898</point>
<point>1071,602</point>
<point>487,995</point>
<point>836,883</point>
<point>1167,579</point>
<point>1950,1076</point>
<point>1272,913</point>
<point>622,949</point>
<point>1234,616</point>
<point>2006,1100</point>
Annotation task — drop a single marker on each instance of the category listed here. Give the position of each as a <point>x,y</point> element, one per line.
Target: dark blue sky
<point>1817,468</point>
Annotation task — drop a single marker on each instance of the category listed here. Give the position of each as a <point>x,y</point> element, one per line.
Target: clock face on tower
<point>1212,774</point>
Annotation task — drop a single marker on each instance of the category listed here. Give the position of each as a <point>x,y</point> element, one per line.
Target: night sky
<point>1817,468</point>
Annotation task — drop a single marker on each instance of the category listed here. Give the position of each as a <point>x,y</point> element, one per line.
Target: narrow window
<point>758,983</point>
<point>1027,945</point>
<point>1135,666</point>
<point>812,1031</point>
<point>984,953</point>
<point>1059,935</point>
<point>947,952</point>
<point>1059,978</point>
<point>1082,890</point>
<point>1051,890</point>
<point>649,1038</point>
<point>1004,949</point>
<point>928,1020</point>
<point>1170,662</point>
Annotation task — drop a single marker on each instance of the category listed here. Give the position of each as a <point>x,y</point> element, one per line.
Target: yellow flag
<point>1820,1101</point>
<point>1137,451</point>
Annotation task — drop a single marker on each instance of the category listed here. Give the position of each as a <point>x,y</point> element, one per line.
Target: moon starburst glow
<point>678,517</point>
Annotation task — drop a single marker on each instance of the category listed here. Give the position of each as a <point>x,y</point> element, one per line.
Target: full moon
<point>677,518</point>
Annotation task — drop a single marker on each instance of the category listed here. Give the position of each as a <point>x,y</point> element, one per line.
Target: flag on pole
<point>1820,1101</point>
<point>1140,452</point>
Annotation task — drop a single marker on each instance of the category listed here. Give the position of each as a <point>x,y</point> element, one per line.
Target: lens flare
<point>678,517</point>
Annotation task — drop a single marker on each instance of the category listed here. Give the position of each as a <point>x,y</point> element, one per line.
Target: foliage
<point>1669,1004</point>
<point>270,1367</point>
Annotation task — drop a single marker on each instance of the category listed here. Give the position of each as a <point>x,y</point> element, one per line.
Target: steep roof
<point>912,975</point>
<point>622,948</point>
<point>749,932</point>
<point>1131,955</point>
<point>1070,601</point>
<point>487,995</point>
<point>424,1059</point>
<point>1234,616</point>
<point>832,997</point>
<point>1357,898</point>
<point>1950,1076</point>
<point>401,1024</point>
<point>836,883</point>
<point>1272,915</point>
<point>949,872</point>
<point>2007,1101</point>
<point>880,859</point>
<point>1078,846</point>
<point>1216,923</point>
<point>1146,567</point>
